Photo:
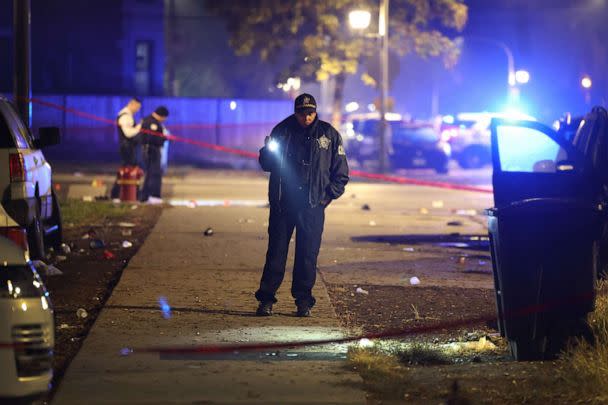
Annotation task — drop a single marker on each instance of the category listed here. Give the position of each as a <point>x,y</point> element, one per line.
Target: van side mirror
<point>47,136</point>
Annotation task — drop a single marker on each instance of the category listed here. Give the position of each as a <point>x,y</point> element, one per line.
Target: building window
<point>143,66</point>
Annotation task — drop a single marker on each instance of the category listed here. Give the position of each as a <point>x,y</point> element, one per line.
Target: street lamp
<point>360,19</point>
<point>586,82</point>
<point>522,76</point>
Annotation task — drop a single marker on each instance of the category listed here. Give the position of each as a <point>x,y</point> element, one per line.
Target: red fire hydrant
<point>128,180</point>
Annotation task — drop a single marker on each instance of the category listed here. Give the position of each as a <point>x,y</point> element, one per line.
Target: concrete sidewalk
<point>209,283</point>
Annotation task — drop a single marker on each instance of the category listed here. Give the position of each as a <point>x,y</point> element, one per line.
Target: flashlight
<point>273,146</point>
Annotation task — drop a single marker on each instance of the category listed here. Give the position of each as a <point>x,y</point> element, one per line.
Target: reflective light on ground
<point>164,307</point>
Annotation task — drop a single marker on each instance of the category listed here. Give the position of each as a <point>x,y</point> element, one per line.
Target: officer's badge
<point>153,127</point>
<point>324,142</point>
<point>341,150</point>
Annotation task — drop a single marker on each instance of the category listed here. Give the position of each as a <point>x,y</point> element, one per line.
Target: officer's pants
<point>128,156</point>
<point>308,223</point>
<point>153,179</point>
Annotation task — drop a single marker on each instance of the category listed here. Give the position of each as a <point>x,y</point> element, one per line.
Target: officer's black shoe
<point>264,309</point>
<point>303,311</point>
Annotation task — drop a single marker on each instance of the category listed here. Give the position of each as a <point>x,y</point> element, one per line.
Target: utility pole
<point>383,34</point>
<point>22,73</point>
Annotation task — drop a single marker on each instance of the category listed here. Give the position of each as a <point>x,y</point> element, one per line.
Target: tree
<point>315,35</point>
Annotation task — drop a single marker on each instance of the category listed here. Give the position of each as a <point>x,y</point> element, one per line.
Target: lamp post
<point>360,19</point>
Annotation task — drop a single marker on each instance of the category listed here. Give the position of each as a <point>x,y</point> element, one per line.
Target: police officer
<point>152,143</point>
<point>128,139</point>
<point>308,169</point>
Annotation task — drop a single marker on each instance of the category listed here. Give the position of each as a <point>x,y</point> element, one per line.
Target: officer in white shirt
<point>127,132</point>
<point>128,139</point>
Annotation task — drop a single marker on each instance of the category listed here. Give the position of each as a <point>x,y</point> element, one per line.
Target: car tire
<point>35,239</point>
<point>474,157</point>
<point>55,239</point>
<point>524,349</point>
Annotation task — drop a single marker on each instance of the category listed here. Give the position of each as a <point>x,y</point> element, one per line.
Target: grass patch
<point>381,372</point>
<point>584,366</point>
<point>80,213</point>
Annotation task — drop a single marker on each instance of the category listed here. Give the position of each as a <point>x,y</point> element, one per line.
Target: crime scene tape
<point>253,155</point>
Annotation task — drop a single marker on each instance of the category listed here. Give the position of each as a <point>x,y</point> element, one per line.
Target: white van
<point>27,331</point>
<point>26,191</point>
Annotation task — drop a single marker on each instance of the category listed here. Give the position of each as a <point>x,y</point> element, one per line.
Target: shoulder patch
<point>153,127</point>
<point>341,150</point>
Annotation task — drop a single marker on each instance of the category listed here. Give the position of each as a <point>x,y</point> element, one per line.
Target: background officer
<point>308,169</point>
<point>128,139</point>
<point>152,143</point>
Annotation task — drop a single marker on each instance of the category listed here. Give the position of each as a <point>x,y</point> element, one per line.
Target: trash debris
<point>66,249</point>
<point>61,258</point>
<point>372,223</point>
<point>46,269</point>
<point>360,290</point>
<point>424,211</point>
<point>125,351</point>
<point>116,201</point>
<point>208,231</point>
<point>64,326</point>
<point>414,280</point>
<point>365,207</point>
<point>81,313</point>
<point>87,198</point>
<point>108,255</point>
<point>250,221</point>
<point>437,204</point>
<point>462,260</point>
<point>409,249</point>
<point>97,244</point>
<point>482,262</point>
<point>134,207</point>
<point>126,244</point>
<point>365,343</point>
<point>57,186</point>
<point>353,196</point>
<point>126,224</point>
<point>454,223</point>
<point>77,174</point>
<point>126,232</point>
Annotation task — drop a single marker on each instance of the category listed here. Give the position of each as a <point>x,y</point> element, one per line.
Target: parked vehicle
<point>27,331</point>
<point>410,144</point>
<point>548,230</point>
<point>469,136</point>
<point>28,198</point>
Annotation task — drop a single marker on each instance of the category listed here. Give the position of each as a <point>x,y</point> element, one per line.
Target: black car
<point>413,144</point>
<point>548,229</point>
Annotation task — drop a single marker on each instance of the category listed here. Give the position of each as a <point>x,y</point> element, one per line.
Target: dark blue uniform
<point>151,149</point>
<point>307,171</point>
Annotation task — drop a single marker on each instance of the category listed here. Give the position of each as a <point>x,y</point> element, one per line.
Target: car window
<point>414,134</point>
<point>528,150</point>
<point>14,127</point>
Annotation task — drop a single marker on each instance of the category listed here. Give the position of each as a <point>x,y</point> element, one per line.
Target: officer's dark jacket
<point>328,166</point>
<point>151,124</point>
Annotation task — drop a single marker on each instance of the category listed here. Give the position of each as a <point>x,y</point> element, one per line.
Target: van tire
<point>35,239</point>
